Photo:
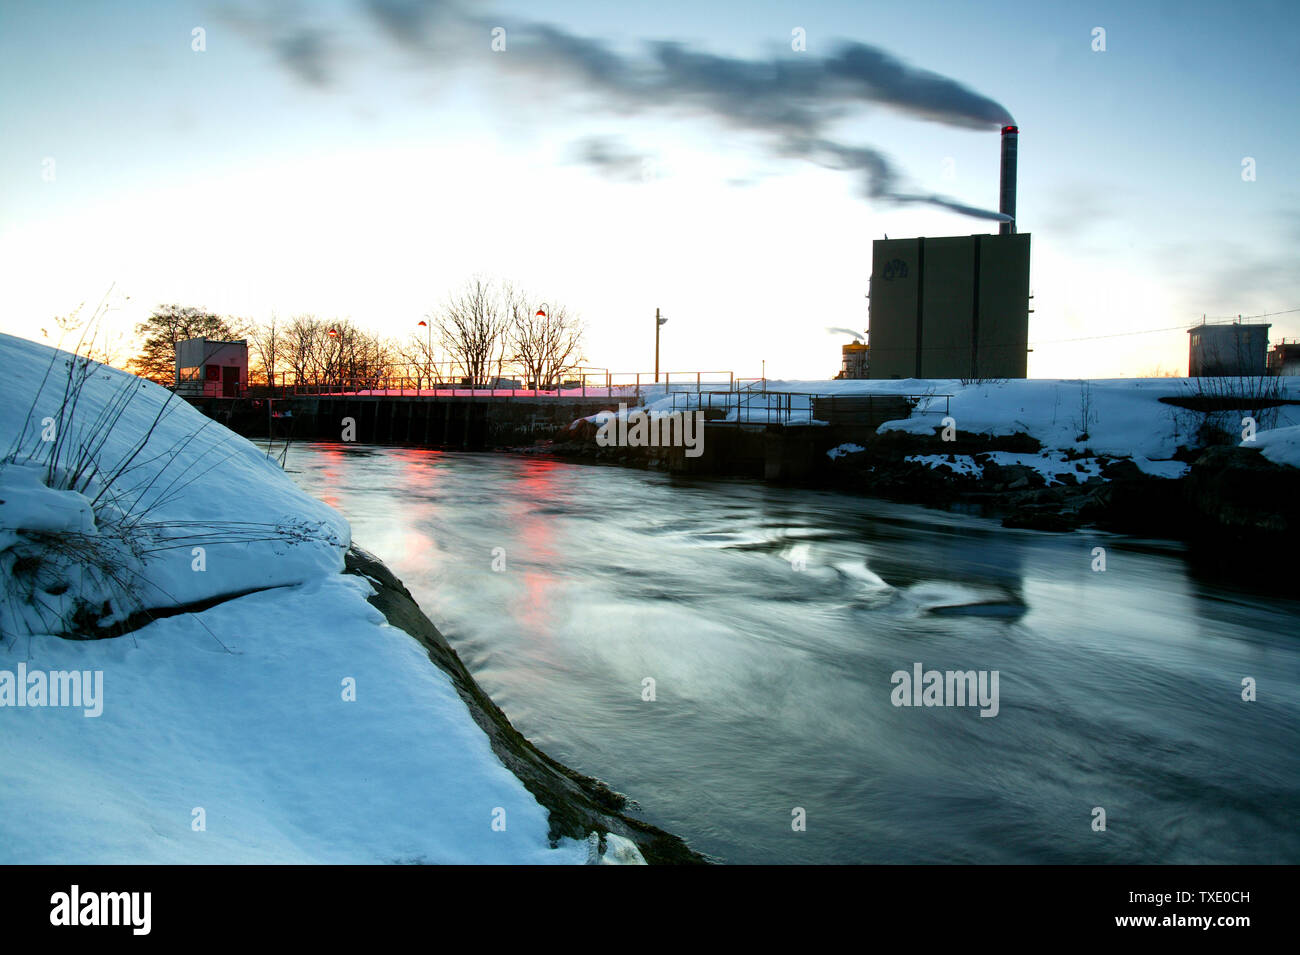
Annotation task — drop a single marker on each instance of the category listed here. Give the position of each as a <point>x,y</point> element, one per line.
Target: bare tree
<point>268,346</point>
<point>546,342</point>
<point>419,353</point>
<point>472,328</point>
<point>304,348</point>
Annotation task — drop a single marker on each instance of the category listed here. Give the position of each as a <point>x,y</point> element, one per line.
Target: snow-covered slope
<point>292,724</point>
<point>192,484</point>
<point>236,719</point>
<point>1120,417</point>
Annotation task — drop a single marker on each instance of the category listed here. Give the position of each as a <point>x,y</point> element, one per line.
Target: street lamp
<point>659,320</point>
<point>543,312</point>
<point>428,352</point>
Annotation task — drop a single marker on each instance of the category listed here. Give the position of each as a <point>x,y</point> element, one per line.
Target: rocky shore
<point>578,805</point>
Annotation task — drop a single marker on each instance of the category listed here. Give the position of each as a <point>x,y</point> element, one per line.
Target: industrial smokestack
<point>1007,197</point>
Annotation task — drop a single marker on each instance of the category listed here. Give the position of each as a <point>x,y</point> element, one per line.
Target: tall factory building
<point>954,306</point>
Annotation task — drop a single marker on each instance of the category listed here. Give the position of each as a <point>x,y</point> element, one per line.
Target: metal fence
<point>599,383</point>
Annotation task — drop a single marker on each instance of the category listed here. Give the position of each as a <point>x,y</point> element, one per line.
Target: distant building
<point>853,361</point>
<point>211,369</point>
<point>1284,359</point>
<point>1228,350</point>
<point>950,307</point>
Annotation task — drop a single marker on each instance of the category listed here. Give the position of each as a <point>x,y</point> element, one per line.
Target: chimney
<point>1007,198</point>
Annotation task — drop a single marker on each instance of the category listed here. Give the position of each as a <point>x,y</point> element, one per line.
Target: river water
<point>772,621</point>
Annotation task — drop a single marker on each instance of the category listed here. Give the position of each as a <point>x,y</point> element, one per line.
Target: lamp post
<point>659,320</point>
<point>334,333</point>
<point>428,352</point>
<point>543,312</point>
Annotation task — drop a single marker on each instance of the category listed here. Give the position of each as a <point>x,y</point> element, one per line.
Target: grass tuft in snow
<point>88,488</point>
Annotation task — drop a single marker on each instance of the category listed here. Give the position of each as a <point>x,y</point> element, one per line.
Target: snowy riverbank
<point>1183,458</point>
<point>251,703</point>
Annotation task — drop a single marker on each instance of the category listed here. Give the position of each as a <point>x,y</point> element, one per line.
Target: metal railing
<point>599,383</point>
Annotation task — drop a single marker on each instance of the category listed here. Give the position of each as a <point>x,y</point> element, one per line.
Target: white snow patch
<point>1163,469</point>
<point>1279,445</point>
<point>1050,465</point>
<point>618,851</point>
<point>960,463</point>
<point>842,449</point>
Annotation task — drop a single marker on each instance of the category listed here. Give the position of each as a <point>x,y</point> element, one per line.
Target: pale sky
<point>362,159</point>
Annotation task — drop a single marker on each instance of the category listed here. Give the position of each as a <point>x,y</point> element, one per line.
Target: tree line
<point>483,332</point>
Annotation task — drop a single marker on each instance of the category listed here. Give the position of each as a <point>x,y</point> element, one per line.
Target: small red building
<point>211,369</point>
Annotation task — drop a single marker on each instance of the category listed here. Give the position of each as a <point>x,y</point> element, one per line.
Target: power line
<point>1152,331</point>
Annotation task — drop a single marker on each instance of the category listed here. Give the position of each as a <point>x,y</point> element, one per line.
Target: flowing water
<point>772,621</point>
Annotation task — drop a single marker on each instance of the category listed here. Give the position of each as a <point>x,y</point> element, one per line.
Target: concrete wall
<point>947,322</point>
<point>1002,341</point>
<point>895,269</point>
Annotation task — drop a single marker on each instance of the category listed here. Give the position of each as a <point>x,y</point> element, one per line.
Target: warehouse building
<point>1228,350</point>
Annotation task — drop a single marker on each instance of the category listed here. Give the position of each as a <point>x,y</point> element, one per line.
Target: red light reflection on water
<point>536,483</point>
<point>417,469</point>
<point>333,456</point>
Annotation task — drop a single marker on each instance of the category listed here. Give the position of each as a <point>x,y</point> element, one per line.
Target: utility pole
<point>658,321</point>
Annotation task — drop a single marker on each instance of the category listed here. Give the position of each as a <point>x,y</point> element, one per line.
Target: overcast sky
<point>362,159</point>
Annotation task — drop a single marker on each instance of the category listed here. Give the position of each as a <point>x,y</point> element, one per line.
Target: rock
<point>1236,492</point>
<point>1122,469</point>
<point>1010,477</point>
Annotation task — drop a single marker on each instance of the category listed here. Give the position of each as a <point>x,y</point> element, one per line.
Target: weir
<point>768,435</point>
<point>466,422</point>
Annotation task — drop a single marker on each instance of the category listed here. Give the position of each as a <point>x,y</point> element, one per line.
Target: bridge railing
<point>600,383</point>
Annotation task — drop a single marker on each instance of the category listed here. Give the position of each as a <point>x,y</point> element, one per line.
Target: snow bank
<point>237,718</point>
<point>289,724</point>
<point>1279,445</point>
<point>1114,417</point>
<point>193,483</point>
